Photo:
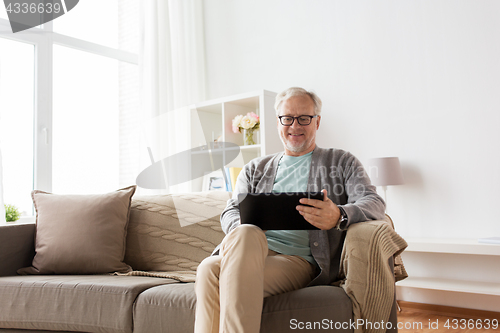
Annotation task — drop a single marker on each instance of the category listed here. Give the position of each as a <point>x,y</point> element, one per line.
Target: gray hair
<point>296,91</point>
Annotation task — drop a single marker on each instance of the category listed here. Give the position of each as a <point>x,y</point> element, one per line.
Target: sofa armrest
<point>367,268</point>
<point>17,247</point>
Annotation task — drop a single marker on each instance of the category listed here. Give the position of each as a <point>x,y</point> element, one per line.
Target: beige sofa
<point>168,236</point>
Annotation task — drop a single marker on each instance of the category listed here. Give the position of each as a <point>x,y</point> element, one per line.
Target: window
<point>85,123</point>
<point>87,19</point>
<point>69,101</point>
<point>16,122</point>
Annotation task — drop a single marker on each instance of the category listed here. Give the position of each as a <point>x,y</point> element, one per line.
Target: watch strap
<point>342,223</point>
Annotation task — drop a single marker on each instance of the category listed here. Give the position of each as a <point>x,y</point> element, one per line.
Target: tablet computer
<point>275,211</point>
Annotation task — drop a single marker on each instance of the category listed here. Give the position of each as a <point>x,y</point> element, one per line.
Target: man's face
<point>297,139</point>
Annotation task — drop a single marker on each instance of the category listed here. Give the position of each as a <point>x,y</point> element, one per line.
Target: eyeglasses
<point>303,120</point>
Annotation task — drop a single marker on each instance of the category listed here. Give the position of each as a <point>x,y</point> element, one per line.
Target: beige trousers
<point>230,288</point>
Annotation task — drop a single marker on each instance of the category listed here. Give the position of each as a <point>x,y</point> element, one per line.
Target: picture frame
<point>214,181</point>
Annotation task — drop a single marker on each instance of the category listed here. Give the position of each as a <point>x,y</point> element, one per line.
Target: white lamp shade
<point>385,171</point>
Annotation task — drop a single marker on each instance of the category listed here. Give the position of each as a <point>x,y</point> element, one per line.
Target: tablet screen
<point>275,211</point>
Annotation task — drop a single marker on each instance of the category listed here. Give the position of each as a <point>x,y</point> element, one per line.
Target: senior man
<point>253,264</point>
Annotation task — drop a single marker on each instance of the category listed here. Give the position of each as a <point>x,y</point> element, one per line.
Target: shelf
<point>215,151</point>
<point>252,147</point>
<point>212,120</point>
<point>440,261</point>
<point>454,246</point>
<point>250,99</point>
<point>483,288</point>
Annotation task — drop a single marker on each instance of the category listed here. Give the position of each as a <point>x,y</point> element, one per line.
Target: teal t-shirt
<point>292,176</point>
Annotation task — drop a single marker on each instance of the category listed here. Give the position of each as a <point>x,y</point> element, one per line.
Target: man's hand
<point>323,215</point>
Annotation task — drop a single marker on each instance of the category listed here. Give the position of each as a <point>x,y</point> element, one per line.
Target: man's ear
<point>317,123</point>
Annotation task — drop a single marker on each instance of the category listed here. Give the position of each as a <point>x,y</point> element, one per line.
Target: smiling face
<point>297,139</point>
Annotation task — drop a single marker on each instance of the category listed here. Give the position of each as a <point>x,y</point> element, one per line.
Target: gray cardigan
<point>347,184</point>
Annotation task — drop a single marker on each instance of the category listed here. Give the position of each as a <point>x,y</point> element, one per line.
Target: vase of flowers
<point>248,137</point>
<point>248,123</point>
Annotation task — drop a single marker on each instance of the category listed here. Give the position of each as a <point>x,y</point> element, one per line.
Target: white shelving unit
<point>212,120</point>
<point>484,288</point>
<point>454,272</point>
<point>454,246</point>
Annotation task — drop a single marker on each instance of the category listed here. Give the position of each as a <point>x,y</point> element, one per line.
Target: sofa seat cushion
<point>88,303</point>
<point>171,308</point>
<point>318,308</point>
<point>168,308</point>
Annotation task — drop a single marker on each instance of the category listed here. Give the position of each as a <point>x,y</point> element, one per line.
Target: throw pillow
<point>80,234</point>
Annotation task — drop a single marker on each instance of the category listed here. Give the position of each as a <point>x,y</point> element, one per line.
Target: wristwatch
<point>342,223</point>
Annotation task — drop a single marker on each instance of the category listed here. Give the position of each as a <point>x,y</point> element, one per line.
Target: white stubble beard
<point>295,149</point>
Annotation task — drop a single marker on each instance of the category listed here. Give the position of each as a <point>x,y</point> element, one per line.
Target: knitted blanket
<point>177,276</point>
<point>369,280</point>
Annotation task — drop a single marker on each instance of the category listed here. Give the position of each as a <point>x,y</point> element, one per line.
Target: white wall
<point>414,79</point>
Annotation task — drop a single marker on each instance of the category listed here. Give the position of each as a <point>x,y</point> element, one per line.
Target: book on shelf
<point>233,173</point>
<point>227,179</point>
<point>231,176</point>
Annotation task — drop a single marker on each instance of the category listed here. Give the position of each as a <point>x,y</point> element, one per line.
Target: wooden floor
<point>419,320</point>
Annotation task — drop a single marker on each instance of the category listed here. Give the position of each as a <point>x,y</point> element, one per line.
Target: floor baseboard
<point>449,310</point>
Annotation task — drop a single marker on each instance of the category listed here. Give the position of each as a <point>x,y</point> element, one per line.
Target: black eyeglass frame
<point>293,119</point>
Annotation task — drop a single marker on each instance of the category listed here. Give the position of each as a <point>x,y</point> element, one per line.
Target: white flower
<point>248,122</point>
<point>237,121</point>
<point>236,124</point>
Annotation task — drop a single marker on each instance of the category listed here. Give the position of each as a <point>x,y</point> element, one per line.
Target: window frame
<point>43,38</point>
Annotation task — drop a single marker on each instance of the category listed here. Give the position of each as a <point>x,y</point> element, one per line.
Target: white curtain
<point>2,207</point>
<point>172,71</point>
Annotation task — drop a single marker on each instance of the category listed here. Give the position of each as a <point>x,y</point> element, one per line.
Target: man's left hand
<point>323,215</point>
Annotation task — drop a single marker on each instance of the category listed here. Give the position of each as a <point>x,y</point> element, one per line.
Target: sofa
<point>167,236</point>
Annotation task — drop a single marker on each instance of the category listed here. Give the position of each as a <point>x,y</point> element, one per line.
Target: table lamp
<point>385,171</point>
